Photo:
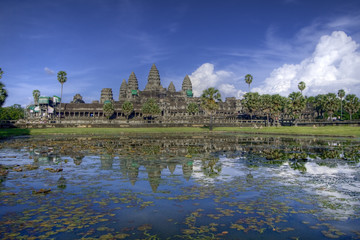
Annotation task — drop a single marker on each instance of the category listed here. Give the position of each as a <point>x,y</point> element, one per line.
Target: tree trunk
<point>60,103</point>
<point>211,123</point>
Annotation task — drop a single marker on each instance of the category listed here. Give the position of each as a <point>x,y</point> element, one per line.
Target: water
<point>208,186</point>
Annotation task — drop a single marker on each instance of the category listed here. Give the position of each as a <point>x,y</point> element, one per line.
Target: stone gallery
<point>173,105</point>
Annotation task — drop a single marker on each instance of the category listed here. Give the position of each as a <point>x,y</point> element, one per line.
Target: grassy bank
<point>343,131</point>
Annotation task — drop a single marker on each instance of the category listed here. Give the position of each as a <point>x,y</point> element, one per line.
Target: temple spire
<point>133,82</point>
<point>123,90</point>
<point>171,87</point>
<point>186,85</point>
<point>153,79</point>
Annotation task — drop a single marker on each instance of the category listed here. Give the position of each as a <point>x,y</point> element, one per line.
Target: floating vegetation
<point>182,187</point>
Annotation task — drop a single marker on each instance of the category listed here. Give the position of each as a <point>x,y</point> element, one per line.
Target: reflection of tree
<point>330,154</point>
<point>298,165</point>
<point>211,166</point>
<point>353,154</point>
<point>78,159</point>
<point>61,183</point>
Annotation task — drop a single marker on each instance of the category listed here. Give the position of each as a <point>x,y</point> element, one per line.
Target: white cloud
<point>334,64</point>
<point>206,76</point>
<point>49,71</point>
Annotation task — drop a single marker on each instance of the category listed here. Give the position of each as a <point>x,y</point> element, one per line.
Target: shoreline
<point>327,131</point>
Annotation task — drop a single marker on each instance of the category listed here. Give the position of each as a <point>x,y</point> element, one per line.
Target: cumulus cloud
<point>206,76</point>
<point>49,71</point>
<point>334,65</point>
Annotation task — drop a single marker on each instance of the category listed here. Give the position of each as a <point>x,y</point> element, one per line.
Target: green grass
<point>343,131</point>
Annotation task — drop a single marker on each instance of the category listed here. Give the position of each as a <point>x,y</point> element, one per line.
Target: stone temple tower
<point>187,86</point>
<point>153,80</point>
<point>106,94</point>
<point>123,90</point>
<point>132,86</point>
<point>171,87</point>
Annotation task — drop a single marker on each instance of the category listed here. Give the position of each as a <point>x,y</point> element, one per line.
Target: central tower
<point>153,80</point>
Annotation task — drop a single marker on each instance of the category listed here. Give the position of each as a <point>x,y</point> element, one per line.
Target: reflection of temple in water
<point>153,153</point>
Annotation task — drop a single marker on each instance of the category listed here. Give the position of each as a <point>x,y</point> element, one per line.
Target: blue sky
<point>216,42</point>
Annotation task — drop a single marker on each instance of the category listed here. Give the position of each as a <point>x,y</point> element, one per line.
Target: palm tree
<point>301,86</point>
<point>331,104</point>
<point>251,102</point>
<point>209,102</point>
<point>320,100</point>
<point>192,108</point>
<point>352,104</point>
<point>150,108</point>
<point>341,95</point>
<point>278,106</point>
<point>127,108</point>
<point>266,106</point>
<point>108,109</point>
<point>248,79</point>
<point>3,92</point>
<point>62,79</point>
<point>36,95</point>
<point>296,105</point>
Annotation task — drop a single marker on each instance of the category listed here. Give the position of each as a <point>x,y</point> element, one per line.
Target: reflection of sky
<point>337,185</point>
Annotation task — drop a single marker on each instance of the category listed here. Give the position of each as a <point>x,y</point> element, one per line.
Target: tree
<point>127,108</point>
<point>108,109</point>
<point>352,104</point>
<point>150,108</point>
<point>36,95</point>
<point>192,108</point>
<point>248,79</point>
<point>278,106</point>
<point>209,102</point>
<point>14,112</point>
<point>62,79</point>
<point>319,104</point>
<point>331,104</point>
<point>296,105</point>
<point>3,92</point>
<point>301,86</point>
<point>266,106</point>
<point>251,102</point>
<point>341,95</point>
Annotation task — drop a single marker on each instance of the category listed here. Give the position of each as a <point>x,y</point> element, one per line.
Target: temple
<point>172,103</point>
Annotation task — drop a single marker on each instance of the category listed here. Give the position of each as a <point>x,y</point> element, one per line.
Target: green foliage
<point>301,86</point>
<point>61,76</point>
<point>192,108</point>
<point>209,100</point>
<point>279,104</point>
<point>341,94</point>
<point>352,104</point>
<point>251,102</point>
<point>331,103</point>
<point>150,108</point>
<point>3,92</point>
<point>36,95</point>
<point>248,79</point>
<point>296,104</point>
<point>108,109</point>
<point>127,108</point>
<point>14,112</point>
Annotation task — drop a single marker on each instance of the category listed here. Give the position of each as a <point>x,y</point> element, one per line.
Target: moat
<point>185,186</point>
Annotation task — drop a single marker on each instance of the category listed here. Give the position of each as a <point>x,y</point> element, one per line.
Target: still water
<point>201,186</point>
